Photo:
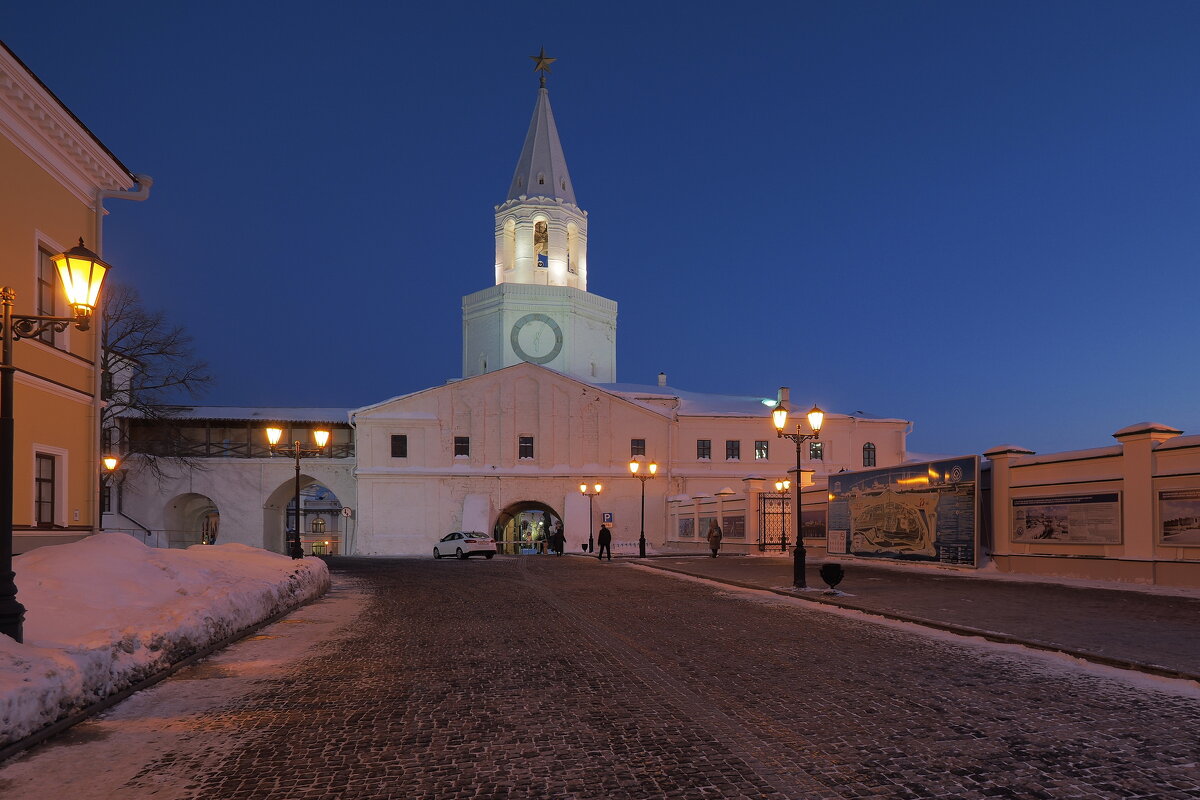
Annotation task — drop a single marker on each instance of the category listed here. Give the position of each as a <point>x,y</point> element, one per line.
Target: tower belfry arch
<point>539,309</point>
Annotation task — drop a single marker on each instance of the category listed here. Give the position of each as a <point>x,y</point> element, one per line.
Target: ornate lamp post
<point>81,272</point>
<point>635,464</point>
<point>110,464</point>
<point>590,491</point>
<point>815,417</point>
<point>321,437</point>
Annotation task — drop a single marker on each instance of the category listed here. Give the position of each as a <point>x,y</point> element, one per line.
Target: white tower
<point>540,310</point>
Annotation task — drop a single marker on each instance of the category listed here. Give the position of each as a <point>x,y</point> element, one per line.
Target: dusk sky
<point>978,216</point>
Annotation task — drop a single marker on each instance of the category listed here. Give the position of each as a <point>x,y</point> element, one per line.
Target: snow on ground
<point>106,612</point>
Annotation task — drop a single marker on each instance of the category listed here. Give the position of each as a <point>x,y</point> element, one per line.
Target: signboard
<point>812,523</point>
<point>1179,517</point>
<point>734,527</point>
<point>347,511</point>
<point>914,512</point>
<point>606,517</point>
<point>1069,519</point>
<point>838,543</point>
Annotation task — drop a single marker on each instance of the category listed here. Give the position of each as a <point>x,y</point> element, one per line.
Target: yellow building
<point>54,178</point>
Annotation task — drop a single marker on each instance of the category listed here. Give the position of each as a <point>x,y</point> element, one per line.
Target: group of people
<point>557,541</point>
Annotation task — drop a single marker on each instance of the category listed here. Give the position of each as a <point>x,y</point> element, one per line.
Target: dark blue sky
<point>979,216</point>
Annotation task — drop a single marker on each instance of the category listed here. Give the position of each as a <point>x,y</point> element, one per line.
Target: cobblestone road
<point>566,678</point>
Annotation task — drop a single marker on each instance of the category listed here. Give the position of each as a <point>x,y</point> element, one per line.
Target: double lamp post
<point>815,418</point>
<point>81,272</point>
<point>296,451</point>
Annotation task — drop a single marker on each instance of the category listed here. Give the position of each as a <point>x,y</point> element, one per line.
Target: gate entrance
<point>524,528</point>
<point>774,520</point>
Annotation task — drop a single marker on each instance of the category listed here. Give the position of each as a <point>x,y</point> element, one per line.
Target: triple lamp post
<point>321,437</point>
<point>815,418</point>
<point>635,464</point>
<point>81,272</point>
<point>589,491</point>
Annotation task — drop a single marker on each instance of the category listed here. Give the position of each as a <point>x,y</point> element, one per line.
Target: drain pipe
<point>139,192</point>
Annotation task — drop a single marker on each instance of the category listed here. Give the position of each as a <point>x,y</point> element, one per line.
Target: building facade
<point>56,177</point>
<point>505,448</point>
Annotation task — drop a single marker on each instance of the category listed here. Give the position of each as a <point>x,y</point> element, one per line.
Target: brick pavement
<point>1156,632</point>
<point>566,678</point>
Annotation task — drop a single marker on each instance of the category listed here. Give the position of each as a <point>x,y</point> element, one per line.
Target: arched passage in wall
<point>321,522</point>
<point>191,519</point>
<point>523,527</point>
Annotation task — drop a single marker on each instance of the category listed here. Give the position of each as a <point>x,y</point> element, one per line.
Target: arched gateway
<point>524,527</point>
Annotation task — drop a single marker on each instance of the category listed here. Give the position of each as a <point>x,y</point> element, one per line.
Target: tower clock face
<point>536,338</point>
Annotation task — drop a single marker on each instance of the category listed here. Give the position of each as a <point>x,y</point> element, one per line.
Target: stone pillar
<point>1002,458</point>
<point>1137,489</point>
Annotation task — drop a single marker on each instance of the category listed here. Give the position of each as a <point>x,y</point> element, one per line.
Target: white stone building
<point>537,412</point>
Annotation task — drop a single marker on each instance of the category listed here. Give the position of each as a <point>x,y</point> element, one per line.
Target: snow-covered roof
<point>703,404</point>
<point>260,413</point>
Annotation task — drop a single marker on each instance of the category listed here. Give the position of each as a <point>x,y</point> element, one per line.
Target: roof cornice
<point>43,128</point>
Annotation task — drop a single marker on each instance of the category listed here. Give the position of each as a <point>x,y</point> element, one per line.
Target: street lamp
<point>634,466</point>
<point>779,417</point>
<point>321,437</point>
<point>110,464</point>
<point>590,491</point>
<point>81,272</point>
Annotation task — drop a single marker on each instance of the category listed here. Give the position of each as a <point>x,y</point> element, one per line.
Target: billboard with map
<point>915,512</point>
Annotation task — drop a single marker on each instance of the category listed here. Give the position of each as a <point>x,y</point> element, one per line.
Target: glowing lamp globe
<point>81,272</point>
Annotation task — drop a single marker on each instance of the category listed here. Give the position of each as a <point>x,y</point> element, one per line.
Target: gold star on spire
<point>542,64</point>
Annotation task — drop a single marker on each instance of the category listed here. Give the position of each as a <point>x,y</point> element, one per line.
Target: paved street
<point>567,678</point>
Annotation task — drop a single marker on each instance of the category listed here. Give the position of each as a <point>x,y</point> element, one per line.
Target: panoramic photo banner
<point>1072,518</point>
<point>915,512</point>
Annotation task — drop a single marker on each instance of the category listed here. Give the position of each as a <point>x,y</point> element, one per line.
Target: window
<point>733,450</point>
<point>44,490</point>
<point>46,278</point>
<point>318,525</point>
<point>524,447</point>
<point>704,448</point>
<point>541,243</point>
<point>399,445</point>
<point>106,499</point>
<point>760,449</point>
<point>816,451</point>
<point>637,447</point>
<point>869,454</point>
<point>462,446</point>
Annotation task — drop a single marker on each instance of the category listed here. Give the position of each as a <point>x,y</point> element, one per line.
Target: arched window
<point>510,244</point>
<point>318,525</point>
<point>541,243</point>
<point>869,454</point>
<point>572,244</point>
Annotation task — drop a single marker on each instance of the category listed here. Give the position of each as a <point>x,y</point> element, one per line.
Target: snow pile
<point>106,612</point>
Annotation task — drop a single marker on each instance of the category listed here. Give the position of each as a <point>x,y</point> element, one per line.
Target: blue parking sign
<point>606,518</point>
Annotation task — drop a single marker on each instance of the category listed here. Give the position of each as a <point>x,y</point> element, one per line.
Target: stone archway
<point>523,527</point>
<point>190,519</point>
<point>318,503</point>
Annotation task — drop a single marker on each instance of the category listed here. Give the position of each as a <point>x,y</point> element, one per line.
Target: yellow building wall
<point>54,405</point>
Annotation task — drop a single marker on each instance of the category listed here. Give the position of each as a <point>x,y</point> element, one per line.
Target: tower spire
<point>542,168</point>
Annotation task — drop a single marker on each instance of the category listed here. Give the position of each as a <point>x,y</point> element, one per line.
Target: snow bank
<point>107,612</point>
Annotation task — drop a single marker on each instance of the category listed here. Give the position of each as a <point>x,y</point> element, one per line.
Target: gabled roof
<point>542,156</point>
<point>252,413</point>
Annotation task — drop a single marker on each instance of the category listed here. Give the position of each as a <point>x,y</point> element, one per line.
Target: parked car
<point>464,544</point>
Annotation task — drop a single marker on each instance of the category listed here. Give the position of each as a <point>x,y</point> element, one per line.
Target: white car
<point>462,544</point>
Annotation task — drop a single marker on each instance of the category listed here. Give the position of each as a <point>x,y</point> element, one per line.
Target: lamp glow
<point>653,468</point>
<point>321,438</point>
<point>598,488</point>
<point>583,488</point>
<point>779,416</point>
<point>110,462</point>
<point>815,418</point>
<point>634,466</point>
<point>274,435</point>
<point>81,272</point>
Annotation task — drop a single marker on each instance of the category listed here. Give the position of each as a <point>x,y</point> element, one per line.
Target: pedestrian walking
<point>714,537</point>
<point>604,541</point>
<point>558,541</point>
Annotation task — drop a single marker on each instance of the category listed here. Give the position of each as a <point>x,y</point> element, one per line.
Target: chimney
<point>662,379</point>
<point>784,396</point>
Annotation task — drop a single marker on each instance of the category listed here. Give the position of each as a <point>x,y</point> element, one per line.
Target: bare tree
<point>148,367</point>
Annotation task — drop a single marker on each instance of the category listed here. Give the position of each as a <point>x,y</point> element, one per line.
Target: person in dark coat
<point>714,537</point>
<point>604,542</point>
<point>557,540</point>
